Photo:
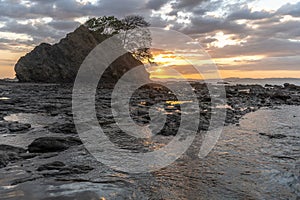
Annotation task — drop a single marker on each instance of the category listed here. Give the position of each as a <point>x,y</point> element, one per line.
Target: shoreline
<point>48,111</point>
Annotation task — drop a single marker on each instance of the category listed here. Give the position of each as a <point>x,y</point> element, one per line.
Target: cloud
<point>155,4</point>
<point>187,4</point>
<point>289,63</point>
<point>63,25</point>
<point>246,13</point>
<point>210,24</point>
<point>290,9</point>
<point>268,33</point>
<point>257,46</point>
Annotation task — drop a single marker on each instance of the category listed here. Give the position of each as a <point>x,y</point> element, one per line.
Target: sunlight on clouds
<point>43,20</point>
<point>267,5</point>
<point>25,22</point>
<point>81,20</point>
<point>27,3</point>
<point>168,59</point>
<point>224,40</point>
<point>294,40</point>
<point>184,17</point>
<point>164,11</point>
<point>288,18</point>
<point>238,60</point>
<point>84,2</point>
<point>259,74</point>
<point>248,23</point>
<point>169,26</point>
<point>15,36</point>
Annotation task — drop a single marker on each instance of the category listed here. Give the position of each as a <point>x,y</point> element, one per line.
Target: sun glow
<point>159,70</point>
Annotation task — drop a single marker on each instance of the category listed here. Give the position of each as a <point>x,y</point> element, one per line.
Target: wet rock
<point>76,169</point>
<point>56,165</point>
<point>280,95</point>
<point>60,168</point>
<point>66,128</point>
<point>28,155</point>
<point>4,159</point>
<point>291,86</point>
<point>52,144</point>
<point>16,127</point>
<point>4,130</point>
<point>9,154</point>
<point>273,136</point>
<point>9,148</point>
<point>26,179</point>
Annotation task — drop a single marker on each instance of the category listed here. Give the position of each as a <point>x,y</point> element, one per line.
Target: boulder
<point>59,63</point>
<point>52,144</point>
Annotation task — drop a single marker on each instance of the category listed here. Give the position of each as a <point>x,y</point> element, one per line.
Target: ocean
<point>271,81</point>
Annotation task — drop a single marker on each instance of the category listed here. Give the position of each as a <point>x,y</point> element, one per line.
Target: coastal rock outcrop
<point>59,63</point>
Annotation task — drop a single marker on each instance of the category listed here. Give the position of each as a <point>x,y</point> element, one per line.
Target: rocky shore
<point>39,139</point>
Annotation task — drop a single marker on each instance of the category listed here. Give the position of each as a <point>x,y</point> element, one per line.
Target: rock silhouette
<point>59,63</point>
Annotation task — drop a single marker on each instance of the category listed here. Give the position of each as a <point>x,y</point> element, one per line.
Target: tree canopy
<point>132,31</point>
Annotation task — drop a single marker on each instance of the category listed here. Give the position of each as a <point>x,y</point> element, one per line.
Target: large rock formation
<point>59,63</point>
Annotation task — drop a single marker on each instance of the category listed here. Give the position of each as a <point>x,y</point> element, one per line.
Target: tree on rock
<point>132,31</point>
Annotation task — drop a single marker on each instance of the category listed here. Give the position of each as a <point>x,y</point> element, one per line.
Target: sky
<point>245,38</point>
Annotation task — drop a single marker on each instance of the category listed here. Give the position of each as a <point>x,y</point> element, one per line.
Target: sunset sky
<point>245,38</point>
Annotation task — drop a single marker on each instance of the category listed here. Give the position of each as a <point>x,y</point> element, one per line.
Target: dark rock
<point>56,165</point>
<point>291,86</point>
<point>4,159</point>
<point>28,155</point>
<point>62,169</point>
<point>9,153</point>
<point>60,62</point>
<point>280,95</point>
<point>66,128</point>
<point>76,169</point>
<point>52,144</point>
<point>273,136</point>
<point>8,148</point>
<point>15,127</point>
<point>4,130</point>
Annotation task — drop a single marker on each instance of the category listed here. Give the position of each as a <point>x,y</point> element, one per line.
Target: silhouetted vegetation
<point>132,31</point>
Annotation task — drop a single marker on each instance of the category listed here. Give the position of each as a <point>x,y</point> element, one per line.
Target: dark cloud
<point>209,24</point>
<point>155,4</point>
<point>181,4</point>
<point>246,13</point>
<point>259,46</point>
<point>290,9</point>
<point>37,31</point>
<point>63,25</point>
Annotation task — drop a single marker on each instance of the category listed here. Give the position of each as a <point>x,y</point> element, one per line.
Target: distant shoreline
<point>229,81</point>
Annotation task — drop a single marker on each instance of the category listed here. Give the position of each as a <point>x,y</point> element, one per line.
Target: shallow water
<point>35,119</point>
<point>243,165</point>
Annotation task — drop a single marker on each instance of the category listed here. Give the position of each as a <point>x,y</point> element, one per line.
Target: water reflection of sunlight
<point>177,102</point>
